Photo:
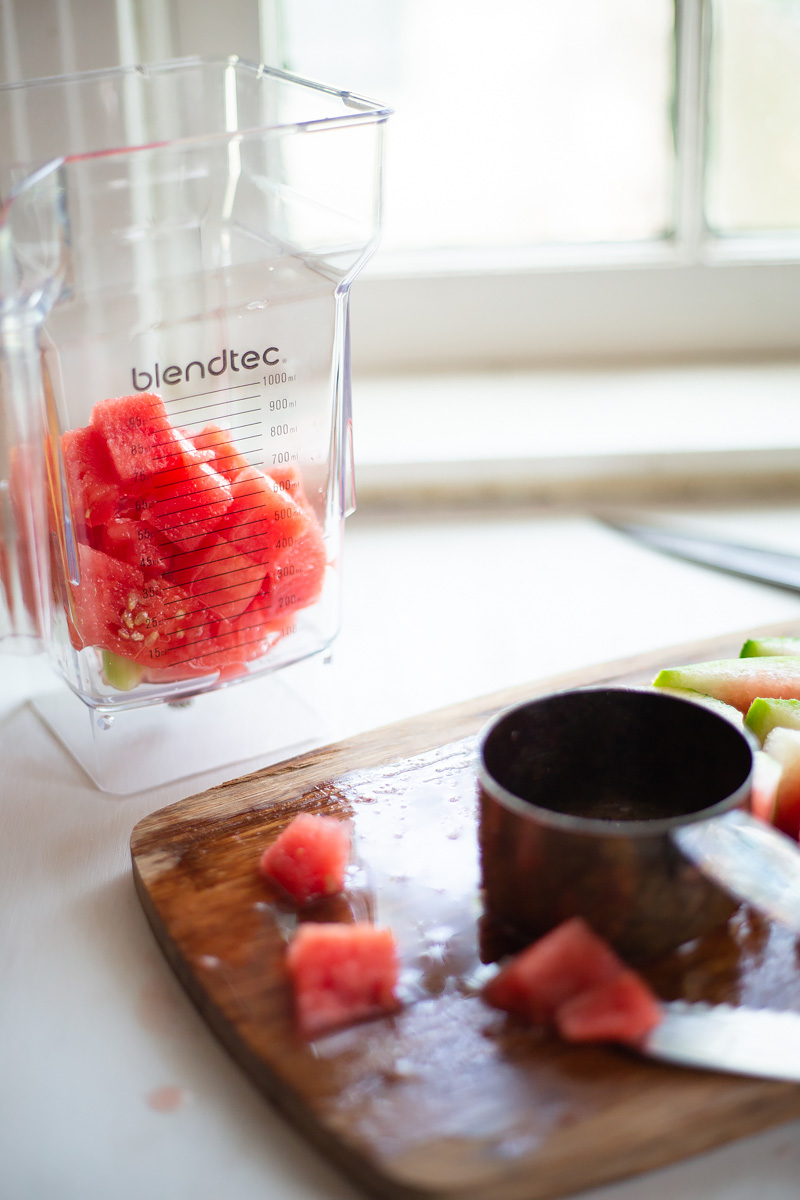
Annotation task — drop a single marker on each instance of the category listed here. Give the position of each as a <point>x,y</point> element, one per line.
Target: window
<point>567,181</point>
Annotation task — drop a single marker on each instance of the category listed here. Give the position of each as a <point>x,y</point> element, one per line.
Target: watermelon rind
<point>738,681</point>
<point>766,714</point>
<point>770,647</point>
<point>121,673</point>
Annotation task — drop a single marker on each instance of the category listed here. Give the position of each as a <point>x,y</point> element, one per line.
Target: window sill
<point>586,437</point>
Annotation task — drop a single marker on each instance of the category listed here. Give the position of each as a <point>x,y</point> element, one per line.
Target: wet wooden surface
<point>448,1098</point>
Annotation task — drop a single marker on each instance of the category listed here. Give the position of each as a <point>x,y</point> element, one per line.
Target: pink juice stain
<point>166,1099</point>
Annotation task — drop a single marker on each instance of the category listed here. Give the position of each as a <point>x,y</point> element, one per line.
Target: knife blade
<point>775,567</point>
<point>750,859</point>
<point>721,1037</point>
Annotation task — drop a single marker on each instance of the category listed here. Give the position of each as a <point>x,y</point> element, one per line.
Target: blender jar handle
<point>24,551</point>
<point>34,261</point>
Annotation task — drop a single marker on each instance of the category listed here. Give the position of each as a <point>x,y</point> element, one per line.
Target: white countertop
<point>111,1086</point>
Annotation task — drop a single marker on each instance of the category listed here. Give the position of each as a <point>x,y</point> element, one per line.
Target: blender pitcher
<point>177,244</point>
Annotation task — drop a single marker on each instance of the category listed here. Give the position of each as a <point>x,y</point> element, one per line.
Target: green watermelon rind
<point>737,681</point>
<point>767,713</point>
<point>771,647</point>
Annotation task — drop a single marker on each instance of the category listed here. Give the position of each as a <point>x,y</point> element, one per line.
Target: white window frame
<point>690,296</point>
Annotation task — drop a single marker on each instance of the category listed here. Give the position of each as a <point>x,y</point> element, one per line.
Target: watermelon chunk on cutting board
<point>565,962</point>
<point>341,974</point>
<point>573,979</point>
<point>622,1009</point>
<point>309,857</point>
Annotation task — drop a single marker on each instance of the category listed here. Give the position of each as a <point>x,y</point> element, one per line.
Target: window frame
<point>690,295</point>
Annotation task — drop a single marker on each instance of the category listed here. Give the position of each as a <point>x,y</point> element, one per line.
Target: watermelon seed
<point>141,618</point>
<point>123,633</point>
<point>133,600</point>
<point>151,638</point>
<point>137,637</point>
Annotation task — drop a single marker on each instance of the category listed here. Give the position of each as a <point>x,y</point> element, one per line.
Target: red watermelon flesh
<point>121,538</point>
<point>116,608</point>
<point>224,581</point>
<point>141,439</point>
<point>299,573</point>
<point>309,857</point>
<point>289,480</point>
<point>562,964</point>
<point>341,974</point>
<point>218,591</point>
<point>92,483</point>
<point>262,517</point>
<point>242,638</point>
<point>227,459</point>
<point>622,1009</point>
<point>187,505</point>
<point>783,746</point>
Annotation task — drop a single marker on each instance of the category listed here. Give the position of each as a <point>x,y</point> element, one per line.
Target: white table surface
<point>111,1086</point>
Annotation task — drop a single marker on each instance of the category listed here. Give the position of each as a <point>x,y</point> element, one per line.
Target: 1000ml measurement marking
<point>278,377</point>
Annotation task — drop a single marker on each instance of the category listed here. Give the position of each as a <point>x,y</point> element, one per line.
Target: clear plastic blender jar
<point>177,244</point>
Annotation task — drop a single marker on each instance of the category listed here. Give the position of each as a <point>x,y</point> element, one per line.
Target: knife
<point>721,1037</point>
<point>775,567</point>
<point>750,859</point>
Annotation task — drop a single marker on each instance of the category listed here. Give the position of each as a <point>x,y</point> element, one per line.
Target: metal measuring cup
<point>626,807</point>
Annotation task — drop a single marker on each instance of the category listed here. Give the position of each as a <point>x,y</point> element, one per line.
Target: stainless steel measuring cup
<point>627,807</point>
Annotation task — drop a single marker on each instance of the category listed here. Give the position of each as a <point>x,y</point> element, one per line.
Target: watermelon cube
<point>565,962</point>
<point>140,438</point>
<point>341,974</point>
<point>92,483</point>
<point>309,857</point>
<point>298,572</point>
<point>622,1009</point>
<point>224,581</point>
<point>188,504</point>
<point>226,457</point>
<point>262,518</point>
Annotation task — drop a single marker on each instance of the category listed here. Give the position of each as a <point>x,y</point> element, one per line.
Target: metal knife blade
<point>749,858</point>
<point>720,1037</point>
<point>774,567</point>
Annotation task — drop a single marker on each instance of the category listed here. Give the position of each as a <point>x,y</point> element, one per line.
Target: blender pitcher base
<point>144,748</point>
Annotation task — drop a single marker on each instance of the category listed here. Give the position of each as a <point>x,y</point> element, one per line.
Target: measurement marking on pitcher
<point>203,420</point>
<point>212,392</point>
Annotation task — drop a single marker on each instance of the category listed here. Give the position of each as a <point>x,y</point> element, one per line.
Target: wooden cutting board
<point>448,1098</point>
